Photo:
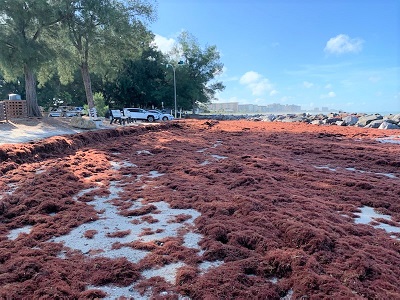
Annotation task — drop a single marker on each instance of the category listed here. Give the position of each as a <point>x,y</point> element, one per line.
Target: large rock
<point>374,124</point>
<point>394,118</point>
<point>332,120</point>
<point>82,123</point>
<point>316,122</point>
<point>365,120</point>
<point>388,125</point>
<point>292,119</point>
<point>340,123</point>
<point>268,118</point>
<point>350,120</point>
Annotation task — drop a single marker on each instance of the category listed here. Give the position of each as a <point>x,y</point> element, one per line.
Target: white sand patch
<point>368,215</point>
<point>115,292</point>
<point>154,174</point>
<point>214,157</point>
<point>83,192</point>
<point>391,139</point>
<point>111,221</point>
<point>129,292</point>
<point>273,280</point>
<point>192,240</point>
<point>325,167</point>
<point>168,272</point>
<point>355,170</point>
<point>288,295</point>
<point>40,171</point>
<point>17,132</point>
<point>151,174</point>
<point>217,143</point>
<point>206,265</point>
<point>121,164</point>
<point>218,157</point>
<point>144,152</point>
<point>14,233</point>
<point>165,218</point>
<point>134,229</point>
<point>389,175</point>
<point>11,188</point>
<point>204,163</point>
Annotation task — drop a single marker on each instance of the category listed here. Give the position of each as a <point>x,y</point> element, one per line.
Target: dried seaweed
<point>277,211</point>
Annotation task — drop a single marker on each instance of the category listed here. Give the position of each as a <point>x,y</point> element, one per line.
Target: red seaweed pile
<point>276,203</point>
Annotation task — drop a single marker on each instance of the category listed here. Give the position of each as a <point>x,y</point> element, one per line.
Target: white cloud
<point>328,86</point>
<point>342,43</point>
<point>273,93</point>
<point>250,77</point>
<point>307,84</point>
<point>329,95</point>
<point>258,84</point>
<point>164,44</point>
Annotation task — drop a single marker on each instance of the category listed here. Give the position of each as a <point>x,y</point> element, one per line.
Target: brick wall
<point>13,109</point>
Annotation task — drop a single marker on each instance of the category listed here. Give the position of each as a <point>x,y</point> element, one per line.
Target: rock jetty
<point>391,121</point>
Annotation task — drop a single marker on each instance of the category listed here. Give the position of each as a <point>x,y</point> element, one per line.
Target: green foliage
<point>53,93</point>
<point>11,87</point>
<point>141,81</point>
<point>61,41</point>
<point>99,102</point>
<point>196,78</point>
<point>100,35</point>
<point>23,48</point>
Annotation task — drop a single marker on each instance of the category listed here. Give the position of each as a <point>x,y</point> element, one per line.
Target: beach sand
<point>201,210</point>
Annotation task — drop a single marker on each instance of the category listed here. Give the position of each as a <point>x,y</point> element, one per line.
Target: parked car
<point>55,112</point>
<point>65,111</point>
<point>163,116</point>
<point>141,114</point>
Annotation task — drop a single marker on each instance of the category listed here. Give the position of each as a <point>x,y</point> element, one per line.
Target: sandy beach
<point>202,210</point>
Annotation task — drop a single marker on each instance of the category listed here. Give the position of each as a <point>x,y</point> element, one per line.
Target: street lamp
<point>173,69</point>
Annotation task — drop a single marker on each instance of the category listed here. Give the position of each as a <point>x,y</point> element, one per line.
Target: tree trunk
<point>193,107</point>
<point>88,89</point>
<point>30,90</point>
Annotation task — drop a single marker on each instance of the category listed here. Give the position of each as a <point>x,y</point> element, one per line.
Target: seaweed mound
<point>217,210</point>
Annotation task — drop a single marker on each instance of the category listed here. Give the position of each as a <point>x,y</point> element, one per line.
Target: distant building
<point>276,107</point>
<point>231,107</point>
<point>235,107</point>
<point>248,108</point>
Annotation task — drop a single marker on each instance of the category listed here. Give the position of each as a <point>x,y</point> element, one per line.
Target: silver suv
<point>140,114</point>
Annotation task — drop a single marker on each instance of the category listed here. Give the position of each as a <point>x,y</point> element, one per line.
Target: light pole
<point>173,69</point>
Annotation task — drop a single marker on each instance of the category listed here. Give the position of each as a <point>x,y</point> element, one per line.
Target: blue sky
<point>341,54</point>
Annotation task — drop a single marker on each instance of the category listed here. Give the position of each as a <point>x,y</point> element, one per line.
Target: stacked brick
<point>13,109</point>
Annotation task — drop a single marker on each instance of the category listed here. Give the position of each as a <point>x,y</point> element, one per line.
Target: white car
<point>163,116</point>
<point>141,114</point>
<point>66,111</point>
